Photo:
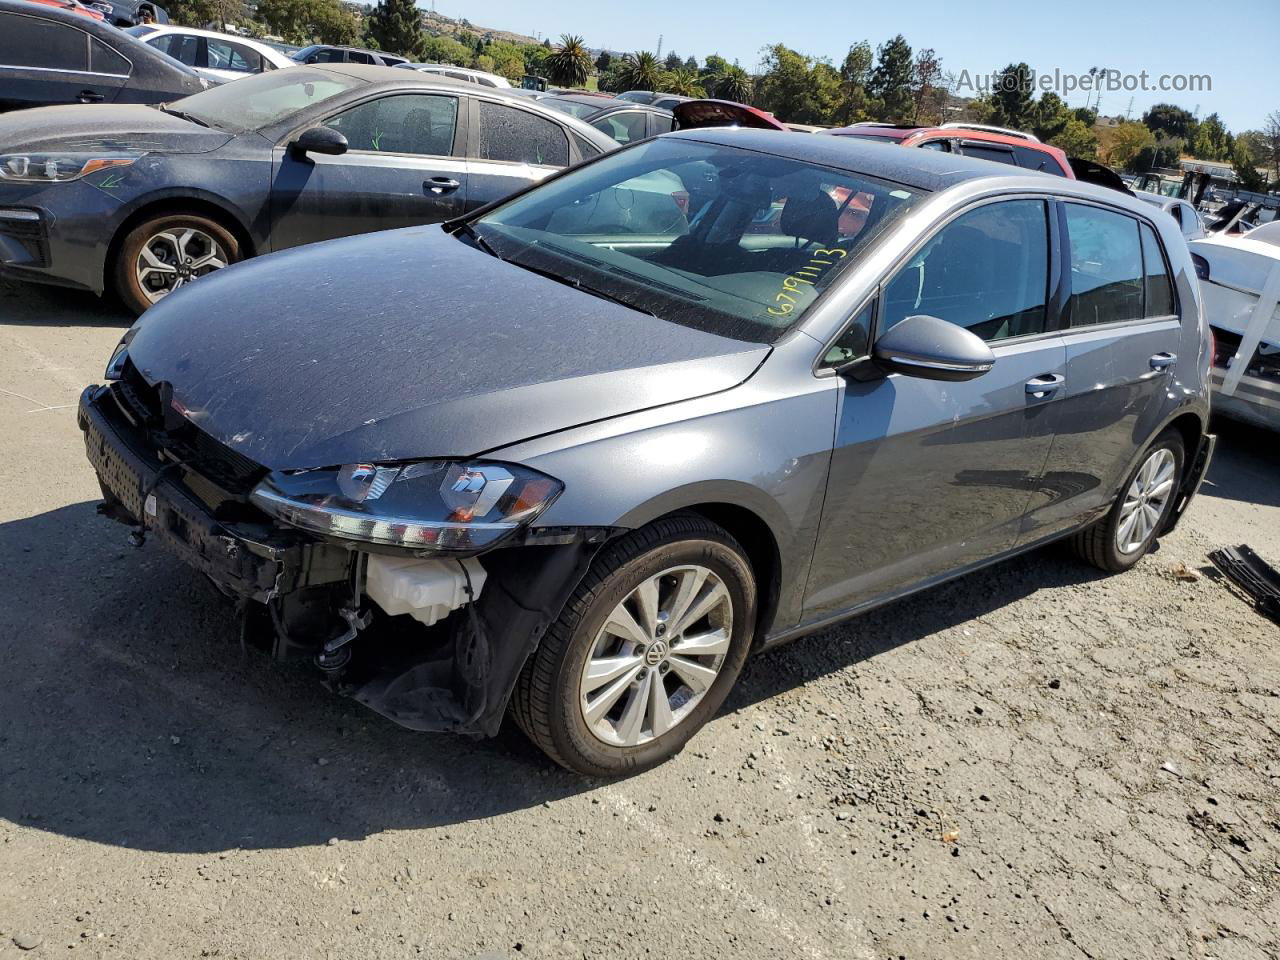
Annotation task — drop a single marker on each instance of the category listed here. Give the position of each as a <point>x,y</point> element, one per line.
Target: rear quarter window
<point>1033,159</point>
<point>517,136</point>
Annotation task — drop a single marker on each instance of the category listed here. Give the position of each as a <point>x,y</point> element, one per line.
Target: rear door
<point>509,149</point>
<point>401,168</point>
<point>46,62</point>
<point>1122,339</point>
<point>930,477</point>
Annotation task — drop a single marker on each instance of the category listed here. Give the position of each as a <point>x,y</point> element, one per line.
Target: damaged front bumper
<point>309,595</point>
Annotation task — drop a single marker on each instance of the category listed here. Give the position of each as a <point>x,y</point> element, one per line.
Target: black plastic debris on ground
<point>1253,575</point>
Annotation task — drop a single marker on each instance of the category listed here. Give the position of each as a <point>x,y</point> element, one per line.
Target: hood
<point>411,344</point>
<point>105,126</point>
<point>697,114</point>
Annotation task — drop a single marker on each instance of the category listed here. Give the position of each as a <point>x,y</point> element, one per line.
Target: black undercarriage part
<point>1253,575</point>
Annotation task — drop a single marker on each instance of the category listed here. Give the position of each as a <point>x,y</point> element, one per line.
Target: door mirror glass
<point>932,349</point>
<point>320,140</point>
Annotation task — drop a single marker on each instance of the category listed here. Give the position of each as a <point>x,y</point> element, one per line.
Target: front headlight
<point>437,506</point>
<point>120,356</point>
<point>58,167</point>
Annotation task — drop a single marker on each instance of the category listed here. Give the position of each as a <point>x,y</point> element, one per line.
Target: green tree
<point>733,83</point>
<point>309,21</point>
<point>1212,140</point>
<point>603,61</point>
<point>1013,97</point>
<point>1164,153</point>
<point>1050,116</point>
<point>1076,139</point>
<point>683,83</point>
<point>1126,142</point>
<point>713,66</point>
<point>535,59</point>
<point>691,64</point>
<point>798,88</point>
<point>508,61</point>
<point>892,79</point>
<point>613,78</point>
<point>642,71</point>
<point>929,92</point>
<point>445,50</point>
<point>1246,170</point>
<point>1171,120</point>
<point>396,26</point>
<point>571,64</point>
<point>855,77</point>
<point>673,61</point>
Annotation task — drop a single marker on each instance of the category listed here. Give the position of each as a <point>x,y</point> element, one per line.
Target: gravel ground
<point>1034,761</point>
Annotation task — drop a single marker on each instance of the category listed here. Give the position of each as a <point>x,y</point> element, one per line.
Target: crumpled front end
<point>432,643</point>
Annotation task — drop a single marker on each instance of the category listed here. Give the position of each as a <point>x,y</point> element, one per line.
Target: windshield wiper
<point>579,285</point>
<point>165,108</point>
<point>464,226</point>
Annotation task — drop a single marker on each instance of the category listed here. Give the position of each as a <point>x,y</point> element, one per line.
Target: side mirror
<point>932,349</point>
<point>320,140</point>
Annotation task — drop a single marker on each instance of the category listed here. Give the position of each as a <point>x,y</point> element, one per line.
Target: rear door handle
<point>1163,361</point>
<point>440,185</point>
<point>90,96</point>
<point>1045,384</point>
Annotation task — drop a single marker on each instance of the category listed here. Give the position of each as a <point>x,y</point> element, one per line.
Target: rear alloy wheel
<point>165,254</point>
<point>1130,529</point>
<point>645,651</point>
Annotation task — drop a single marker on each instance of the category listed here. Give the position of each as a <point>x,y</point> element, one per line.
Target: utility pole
<point>659,55</point>
<point>1128,114</point>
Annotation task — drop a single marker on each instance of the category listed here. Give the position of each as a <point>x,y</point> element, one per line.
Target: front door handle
<point>90,96</point>
<point>1163,361</point>
<point>440,185</point>
<point>1040,387</point>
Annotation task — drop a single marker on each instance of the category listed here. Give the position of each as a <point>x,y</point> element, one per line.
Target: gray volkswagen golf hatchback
<point>576,455</point>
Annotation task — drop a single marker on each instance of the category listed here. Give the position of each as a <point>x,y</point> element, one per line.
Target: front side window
<point>31,42</point>
<point>996,154</point>
<point>624,126</point>
<point>1106,266</point>
<point>986,271</point>
<point>517,136</point>
<point>265,99</point>
<point>1157,287</point>
<point>709,236</point>
<point>417,124</point>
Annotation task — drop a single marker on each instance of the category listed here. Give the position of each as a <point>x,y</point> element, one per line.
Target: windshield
<point>264,99</point>
<point>731,241</point>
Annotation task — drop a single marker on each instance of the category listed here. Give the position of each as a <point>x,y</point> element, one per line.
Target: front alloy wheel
<point>656,656</point>
<point>645,650</point>
<point>174,257</point>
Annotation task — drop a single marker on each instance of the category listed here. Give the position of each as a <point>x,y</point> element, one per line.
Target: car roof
<point>928,170</point>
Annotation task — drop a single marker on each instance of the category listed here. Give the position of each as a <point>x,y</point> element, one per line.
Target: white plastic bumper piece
<point>427,590</point>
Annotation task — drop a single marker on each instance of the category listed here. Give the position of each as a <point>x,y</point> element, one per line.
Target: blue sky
<point>1170,37</point>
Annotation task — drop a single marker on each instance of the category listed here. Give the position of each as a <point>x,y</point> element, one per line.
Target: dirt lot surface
<point>1035,761</point>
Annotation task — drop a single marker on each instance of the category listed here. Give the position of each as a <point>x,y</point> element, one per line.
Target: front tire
<point>645,651</point>
<point>164,253</point>
<point>1128,532</point>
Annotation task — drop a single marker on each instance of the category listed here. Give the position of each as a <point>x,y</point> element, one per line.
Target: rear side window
<point>185,49</point>
<point>1036,160</point>
<point>102,59</point>
<point>31,42</point>
<point>515,136</point>
<point>355,56</point>
<point>624,127</point>
<point>998,154</point>
<point>1157,286</point>
<point>412,123</point>
<point>942,146</point>
<point>232,56</point>
<point>986,271</point>
<point>325,56</point>
<point>1106,266</point>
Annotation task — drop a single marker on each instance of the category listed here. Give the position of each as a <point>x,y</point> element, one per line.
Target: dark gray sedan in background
<point>578,464</point>
<point>143,200</point>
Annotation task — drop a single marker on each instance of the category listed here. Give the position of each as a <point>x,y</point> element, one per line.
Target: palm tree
<point>734,83</point>
<point>571,64</point>
<point>683,82</point>
<point>641,71</point>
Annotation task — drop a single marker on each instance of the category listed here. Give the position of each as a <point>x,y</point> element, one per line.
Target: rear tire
<point>604,700</point>
<point>1132,526</point>
<point>167,252</point>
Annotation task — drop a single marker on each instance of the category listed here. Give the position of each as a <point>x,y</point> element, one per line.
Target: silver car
<point>574,456</point>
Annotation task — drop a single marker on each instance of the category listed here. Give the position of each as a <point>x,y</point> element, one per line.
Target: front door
<point>400,169</point>
<point>929,477</point>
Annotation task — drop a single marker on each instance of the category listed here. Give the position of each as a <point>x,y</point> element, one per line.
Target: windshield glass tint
<point>732,241</point>
<point>265,99</point>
